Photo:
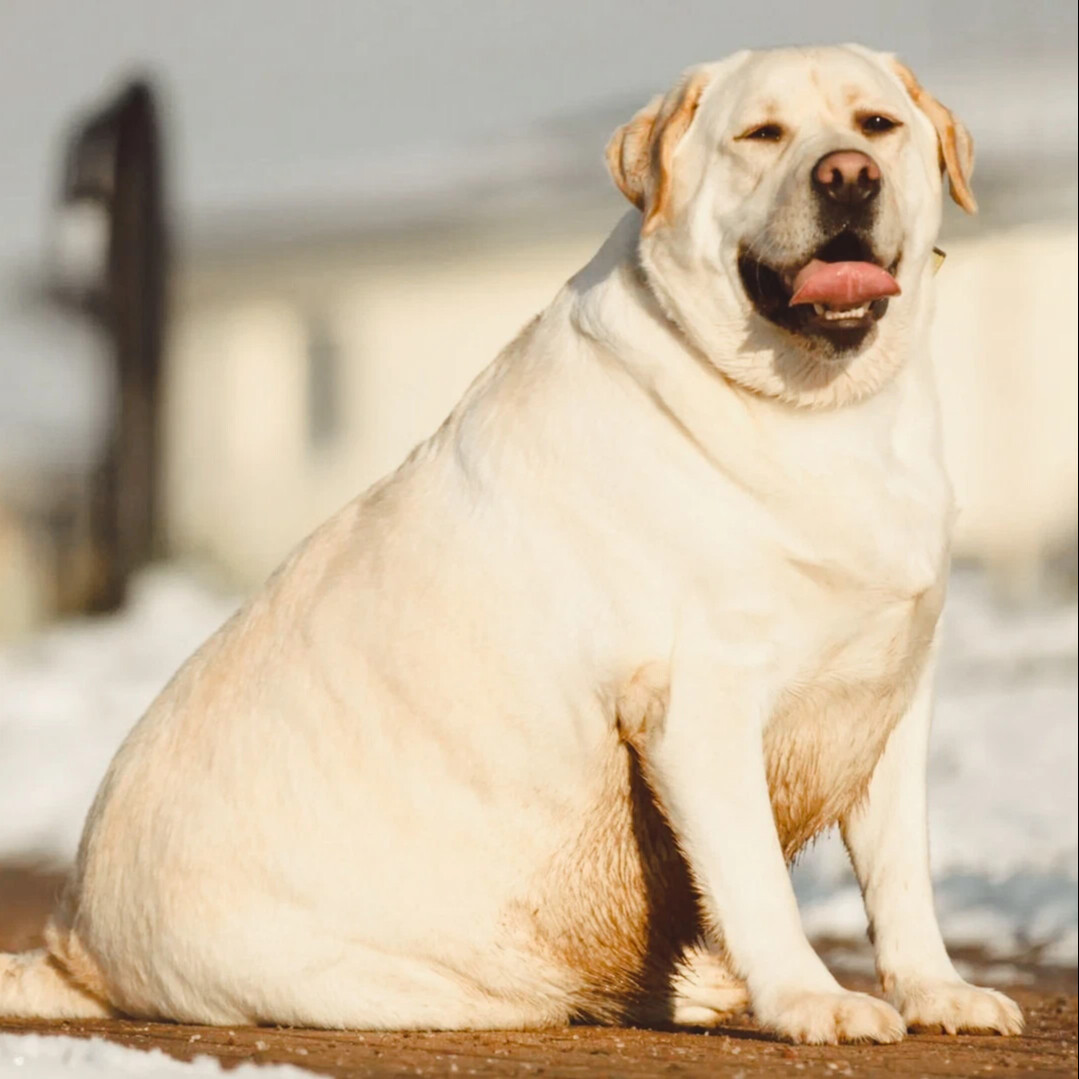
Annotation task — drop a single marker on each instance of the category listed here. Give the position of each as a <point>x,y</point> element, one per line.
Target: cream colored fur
<point>657,603</point>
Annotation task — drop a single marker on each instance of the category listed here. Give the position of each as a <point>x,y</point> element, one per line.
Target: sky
<point>269,98</point>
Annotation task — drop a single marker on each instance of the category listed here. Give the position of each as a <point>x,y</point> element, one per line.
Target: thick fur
<point>506,736</point>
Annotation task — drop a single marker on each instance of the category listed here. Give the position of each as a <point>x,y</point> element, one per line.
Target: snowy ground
<point>1002,781</point>
<point>37,1056</point>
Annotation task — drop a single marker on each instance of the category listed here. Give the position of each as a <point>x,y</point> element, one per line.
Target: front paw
<point>814,1018</point>
<point>955,1007</point>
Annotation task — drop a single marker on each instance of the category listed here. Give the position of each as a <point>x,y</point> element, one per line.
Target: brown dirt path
<point>1047,1048</point>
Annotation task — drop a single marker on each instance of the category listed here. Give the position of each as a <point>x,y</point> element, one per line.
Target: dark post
<point>114,162</point>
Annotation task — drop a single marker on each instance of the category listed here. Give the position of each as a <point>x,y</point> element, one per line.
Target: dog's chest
<point>866,585</point>
<point>864,647</point>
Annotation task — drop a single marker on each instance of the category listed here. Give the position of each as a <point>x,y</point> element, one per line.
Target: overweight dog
<point>531,731</point>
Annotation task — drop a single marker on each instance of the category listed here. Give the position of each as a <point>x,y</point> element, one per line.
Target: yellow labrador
<point>506,739</point>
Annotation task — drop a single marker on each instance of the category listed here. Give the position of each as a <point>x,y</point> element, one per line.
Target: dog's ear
<point>629,153</point>
<point>640,155</point>
<point>954,144</point>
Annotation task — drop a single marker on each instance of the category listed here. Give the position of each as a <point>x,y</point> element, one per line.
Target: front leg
<point>887,836</point>
<point>706,765</point>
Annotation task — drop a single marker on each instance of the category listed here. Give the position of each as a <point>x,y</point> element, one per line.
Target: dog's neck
<point>761,441</point>
<point>614,305</point>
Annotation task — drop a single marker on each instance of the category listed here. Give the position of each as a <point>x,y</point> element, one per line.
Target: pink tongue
<point>842,284</point>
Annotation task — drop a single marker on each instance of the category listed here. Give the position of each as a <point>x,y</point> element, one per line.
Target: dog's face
<point>790,202</point>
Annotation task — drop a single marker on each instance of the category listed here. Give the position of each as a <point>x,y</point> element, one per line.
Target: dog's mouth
<point>838,295</point>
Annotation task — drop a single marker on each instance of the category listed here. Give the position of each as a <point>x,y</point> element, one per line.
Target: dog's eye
<point>875,124</point>
<point>765,133</point>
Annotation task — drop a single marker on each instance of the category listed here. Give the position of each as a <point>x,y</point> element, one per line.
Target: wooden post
<point>114,162</point>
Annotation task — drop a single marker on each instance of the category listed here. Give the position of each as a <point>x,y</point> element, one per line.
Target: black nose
<point>847,177</point>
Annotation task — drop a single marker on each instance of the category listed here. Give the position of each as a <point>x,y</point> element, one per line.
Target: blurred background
<point>252,251</point>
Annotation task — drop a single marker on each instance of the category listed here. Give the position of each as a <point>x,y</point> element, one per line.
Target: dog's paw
<point>705,991</point>
<point>814,1018</point>
<point>956,1007</point>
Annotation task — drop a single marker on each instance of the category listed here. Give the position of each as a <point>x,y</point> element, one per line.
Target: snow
<point>38,1056</point>
<point>1002,770</point>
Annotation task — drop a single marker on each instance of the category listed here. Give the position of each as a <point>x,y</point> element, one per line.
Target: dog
<point>531,731</point>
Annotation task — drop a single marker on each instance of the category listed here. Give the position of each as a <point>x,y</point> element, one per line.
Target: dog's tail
<point>38,985</point>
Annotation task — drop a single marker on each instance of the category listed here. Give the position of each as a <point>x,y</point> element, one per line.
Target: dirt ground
<point>1047,1048</point>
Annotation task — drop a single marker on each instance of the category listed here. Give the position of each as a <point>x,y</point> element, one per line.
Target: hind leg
<point>292,974</point>
<point>385,992</point>
<point>705,990</point>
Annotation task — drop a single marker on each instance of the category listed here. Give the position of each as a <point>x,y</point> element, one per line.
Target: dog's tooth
<point>834,314</point>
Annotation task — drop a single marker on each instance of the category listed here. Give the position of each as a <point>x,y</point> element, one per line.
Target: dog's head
<point>790,201</point>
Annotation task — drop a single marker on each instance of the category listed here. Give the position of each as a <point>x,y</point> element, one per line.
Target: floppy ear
<point>629,151</point>
<point>955,146</point>
<point>640,155</point>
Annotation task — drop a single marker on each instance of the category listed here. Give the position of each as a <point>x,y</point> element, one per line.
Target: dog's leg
<point>706,764</point>
<point>888,840</point>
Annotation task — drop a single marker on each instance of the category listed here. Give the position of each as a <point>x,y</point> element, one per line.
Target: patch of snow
<point>1004,974</point>
<point>1002,770</point>
<point>40,1056</point>
<point>1063,950</point>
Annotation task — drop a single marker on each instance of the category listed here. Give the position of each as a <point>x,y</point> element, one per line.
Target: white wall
<point>1004,344</point>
